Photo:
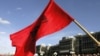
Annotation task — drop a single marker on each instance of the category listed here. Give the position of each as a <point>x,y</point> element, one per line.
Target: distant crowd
<point>95,54</point>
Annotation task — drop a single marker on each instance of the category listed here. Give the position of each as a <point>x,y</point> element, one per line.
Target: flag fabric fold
<point>51,20</point>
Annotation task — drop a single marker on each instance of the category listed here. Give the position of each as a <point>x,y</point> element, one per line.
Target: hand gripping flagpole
<point>87,32</point>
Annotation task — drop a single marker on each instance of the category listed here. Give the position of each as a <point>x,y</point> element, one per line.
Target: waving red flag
<point>51,20</point>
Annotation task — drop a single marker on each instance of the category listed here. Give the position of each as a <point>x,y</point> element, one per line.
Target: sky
<point>17,14</point>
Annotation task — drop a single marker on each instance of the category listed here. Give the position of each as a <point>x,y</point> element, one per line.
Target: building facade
<point>65,46</point>
<point>80,44</point>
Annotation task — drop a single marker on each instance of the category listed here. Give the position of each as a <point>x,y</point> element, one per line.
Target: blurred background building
<point>79,44</point>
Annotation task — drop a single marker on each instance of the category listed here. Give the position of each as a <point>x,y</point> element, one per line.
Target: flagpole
<point>87,32</point>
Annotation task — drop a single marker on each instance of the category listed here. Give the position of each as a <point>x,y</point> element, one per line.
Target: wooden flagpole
<point>87,32</point>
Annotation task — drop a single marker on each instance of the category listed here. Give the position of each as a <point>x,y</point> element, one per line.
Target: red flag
<point>51,20</point>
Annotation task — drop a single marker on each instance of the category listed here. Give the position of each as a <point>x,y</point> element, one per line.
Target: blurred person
<point>98,54</point>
